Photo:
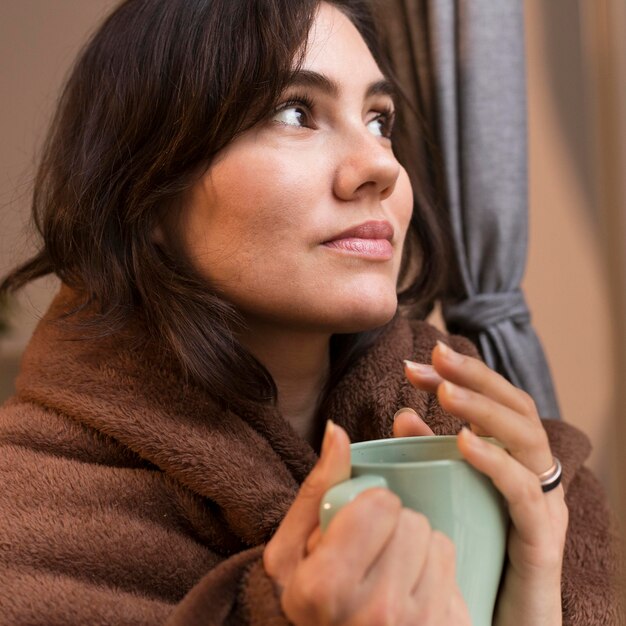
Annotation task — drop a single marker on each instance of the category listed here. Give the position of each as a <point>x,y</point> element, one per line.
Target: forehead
<point>335,48</point>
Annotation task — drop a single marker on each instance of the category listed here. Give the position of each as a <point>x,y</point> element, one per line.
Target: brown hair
<point>158,90</point>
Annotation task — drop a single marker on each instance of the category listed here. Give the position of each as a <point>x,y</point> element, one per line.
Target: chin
<point>363,314</point>
<point>332,310</point>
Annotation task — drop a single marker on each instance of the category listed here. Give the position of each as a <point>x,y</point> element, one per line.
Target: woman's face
<point>258,223</point>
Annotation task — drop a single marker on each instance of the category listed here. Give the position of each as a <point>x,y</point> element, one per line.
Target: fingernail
<point>404,409</point>
<point>454,391</point>
<point>448,353</point>
<point>422,369</point>
<point>328,436</point>
<point>470,438</point>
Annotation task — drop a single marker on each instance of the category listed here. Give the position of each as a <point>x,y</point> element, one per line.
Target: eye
<point>382,124</point>
<point>296,112</point>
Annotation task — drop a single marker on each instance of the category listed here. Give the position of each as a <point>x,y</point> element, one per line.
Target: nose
<point>367,166</point>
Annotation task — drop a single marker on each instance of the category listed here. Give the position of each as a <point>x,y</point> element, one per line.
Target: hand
<point>377,563</point>
<point>407,423</point>
<point>471,391</point>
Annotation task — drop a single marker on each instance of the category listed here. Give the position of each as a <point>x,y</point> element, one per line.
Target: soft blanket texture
<point>128,497</point>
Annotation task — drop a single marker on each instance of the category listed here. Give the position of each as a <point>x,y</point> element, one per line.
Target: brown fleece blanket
<point>128,497</point>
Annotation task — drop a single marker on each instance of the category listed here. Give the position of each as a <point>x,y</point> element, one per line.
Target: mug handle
<point>345,492</point>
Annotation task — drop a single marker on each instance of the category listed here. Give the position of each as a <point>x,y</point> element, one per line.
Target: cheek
<point>261,196</point>
<point>252,216</point>
<point>402,199</point>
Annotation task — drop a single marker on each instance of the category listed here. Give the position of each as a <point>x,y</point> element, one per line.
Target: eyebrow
<point>316,80</point>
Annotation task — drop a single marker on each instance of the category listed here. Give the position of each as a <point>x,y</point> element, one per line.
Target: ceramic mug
<point>431,477</point>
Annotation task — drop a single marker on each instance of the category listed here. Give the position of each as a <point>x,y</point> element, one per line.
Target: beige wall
<point>605,40</point>
<point>566,284</point>
<point>38,41</point>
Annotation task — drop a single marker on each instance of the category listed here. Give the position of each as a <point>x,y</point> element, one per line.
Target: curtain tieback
<point>485,310</point>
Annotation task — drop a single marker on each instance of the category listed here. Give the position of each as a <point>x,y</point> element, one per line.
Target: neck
<point>299,362</point>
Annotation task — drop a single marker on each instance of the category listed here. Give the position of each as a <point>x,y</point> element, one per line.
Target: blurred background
<point>576,275</point>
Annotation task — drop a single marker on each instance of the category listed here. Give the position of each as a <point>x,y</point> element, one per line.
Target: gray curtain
<point>462,64</point>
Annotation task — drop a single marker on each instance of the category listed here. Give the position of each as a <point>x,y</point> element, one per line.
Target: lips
<point>368,230</point>
<point>370,240</point>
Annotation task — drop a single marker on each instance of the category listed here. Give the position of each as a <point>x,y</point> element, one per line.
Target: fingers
<point>528,505</point>
<point>467,372</point>
<point>526,440</point>
<point>423,374</point>
<point>327,585</point>
<point>288,546</point>
<point>407,423</point>
<point>413,581</point>
<point>435,590</point>
<point>473,392</point>
<point>361,543</point>
<point>425,377</point>
<point>399,566</point>
<point>473,374</point>
<point>313,540</point>
<point>458,613</point>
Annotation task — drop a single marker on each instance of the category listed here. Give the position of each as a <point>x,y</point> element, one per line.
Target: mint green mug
<point>431,477</point>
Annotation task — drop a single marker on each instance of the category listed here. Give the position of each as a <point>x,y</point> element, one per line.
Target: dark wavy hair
<point>159,89</point>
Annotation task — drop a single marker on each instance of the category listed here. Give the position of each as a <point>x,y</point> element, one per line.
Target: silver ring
<point>551,478</point>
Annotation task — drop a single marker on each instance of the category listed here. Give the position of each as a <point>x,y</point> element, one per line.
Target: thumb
<point>407,423</point>
<point>288,546</point>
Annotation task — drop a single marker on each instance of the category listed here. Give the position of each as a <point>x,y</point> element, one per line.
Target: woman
<point>220,197</point>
